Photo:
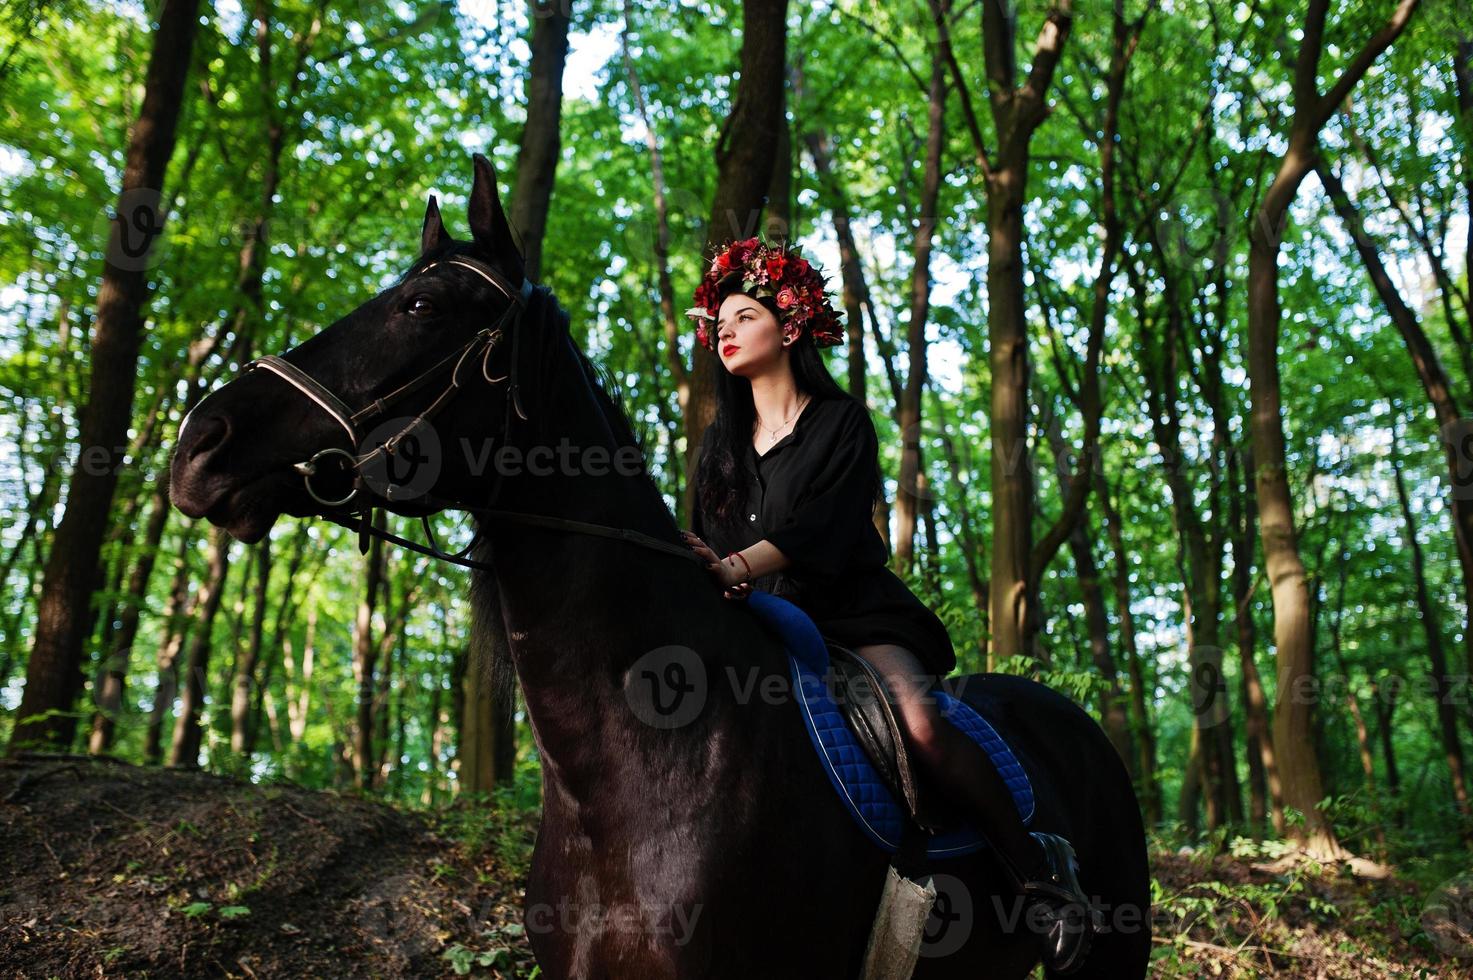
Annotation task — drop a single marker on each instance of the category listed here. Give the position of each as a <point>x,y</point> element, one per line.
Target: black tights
<point>958,765</point>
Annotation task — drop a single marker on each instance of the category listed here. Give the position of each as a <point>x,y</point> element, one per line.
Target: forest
<point>1162,310</point>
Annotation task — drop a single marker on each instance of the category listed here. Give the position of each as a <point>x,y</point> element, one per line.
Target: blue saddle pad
<point>869,801</point>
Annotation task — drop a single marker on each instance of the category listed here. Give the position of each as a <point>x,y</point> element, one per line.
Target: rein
<point>481,345</point>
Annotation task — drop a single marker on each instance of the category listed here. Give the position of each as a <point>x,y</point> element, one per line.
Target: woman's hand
<point>728,575</point>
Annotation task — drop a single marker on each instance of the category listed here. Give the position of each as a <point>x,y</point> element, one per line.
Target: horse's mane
<point>550,316</point>
<point>488,633</point>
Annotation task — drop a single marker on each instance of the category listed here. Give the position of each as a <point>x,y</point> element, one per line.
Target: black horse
<point>713,846</point>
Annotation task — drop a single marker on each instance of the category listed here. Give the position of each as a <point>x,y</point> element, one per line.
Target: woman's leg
<point>963,768</point>
<point>945,751</point>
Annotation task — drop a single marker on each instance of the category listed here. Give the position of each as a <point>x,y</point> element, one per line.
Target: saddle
<point>853,723</point>
<point>873,714</point>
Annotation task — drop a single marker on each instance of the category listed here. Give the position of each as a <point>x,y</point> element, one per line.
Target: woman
<point>786,484</point>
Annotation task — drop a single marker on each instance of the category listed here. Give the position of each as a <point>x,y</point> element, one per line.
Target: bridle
<point>480,346</point>
<point>484,342</point>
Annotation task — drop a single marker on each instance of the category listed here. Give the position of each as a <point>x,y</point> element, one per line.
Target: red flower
<point>799,288</point>
<point>706,294</point>
<point>741,251</point>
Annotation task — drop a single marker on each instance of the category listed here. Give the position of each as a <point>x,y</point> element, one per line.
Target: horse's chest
<point>636,904</point>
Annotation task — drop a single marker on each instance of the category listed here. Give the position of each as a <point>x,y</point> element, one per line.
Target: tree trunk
<point>1199,552</point>
<point>1266,795</point>
<point>855,295</point>
<point>1442,680</point>
<point>1147,785</point>
<point>276,652</point>
<point>1016,115</point>
<point>536,172</point>
<point>365,653</point>
<point>436,728</point>
<point>542,136</point>
<point>1385,703</point>
<point>1352,703</point>
<point>744,175</point>
<point>1191,787</point>
<point>243,686</point>
<point>1435,382</point>
<point>53,675</point>
<point>909,490</point>
<point>168,660</point>
<point>1293,737</point>
<point>188,733</point>
<point>1113,717</point>
<point>1299,766</point>
<point>381,707</point>
<point>971,548</point>
<point>478,732</point>
<point>115,675</point>
<point>777,219</point>
<point>299,702</point>
<point>670,321</point>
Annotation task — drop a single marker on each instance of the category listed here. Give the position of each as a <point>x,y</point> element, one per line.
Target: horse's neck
<point>578,609</point>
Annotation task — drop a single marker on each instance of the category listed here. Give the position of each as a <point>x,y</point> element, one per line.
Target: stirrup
<point>1072,920</point>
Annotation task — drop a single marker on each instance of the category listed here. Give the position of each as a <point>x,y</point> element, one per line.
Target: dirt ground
<point>112,870</point>
<point>1238,919</point>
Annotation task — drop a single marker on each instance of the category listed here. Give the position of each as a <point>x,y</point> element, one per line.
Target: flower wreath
<point>779,272</point>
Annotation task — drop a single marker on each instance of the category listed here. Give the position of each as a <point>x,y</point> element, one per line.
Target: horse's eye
<point>421,306</point>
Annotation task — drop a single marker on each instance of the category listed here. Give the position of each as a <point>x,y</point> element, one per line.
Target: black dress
<point>809,495</point>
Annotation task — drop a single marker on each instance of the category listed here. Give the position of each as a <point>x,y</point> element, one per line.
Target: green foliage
<point>501,824</point>
<point>390,100</point>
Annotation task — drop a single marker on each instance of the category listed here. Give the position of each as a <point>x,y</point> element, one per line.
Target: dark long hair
<point>721,491</point>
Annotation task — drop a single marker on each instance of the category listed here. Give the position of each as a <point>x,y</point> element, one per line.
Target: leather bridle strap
<point>307,385</point>
<point>482,343</point>
<point>628,535</point>
<point>351,420</point>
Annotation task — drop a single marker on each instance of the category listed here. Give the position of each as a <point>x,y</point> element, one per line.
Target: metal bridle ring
<point>309,470</point>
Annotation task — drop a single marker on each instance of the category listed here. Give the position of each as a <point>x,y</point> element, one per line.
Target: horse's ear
<point>434,235</point>
<point>489,226</point>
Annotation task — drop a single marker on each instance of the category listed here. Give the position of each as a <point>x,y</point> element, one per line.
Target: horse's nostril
<point>204,436</point>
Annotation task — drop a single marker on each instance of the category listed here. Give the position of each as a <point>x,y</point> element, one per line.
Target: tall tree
<point>1299,766</point>
<point>188,731</point>
<point>910,490</point>
<point>1435,383</point>
<point>494,705</point>
<point>745,150</point>
<point>53,675</point>
<point>1017,112</point>
<point>365,657</point>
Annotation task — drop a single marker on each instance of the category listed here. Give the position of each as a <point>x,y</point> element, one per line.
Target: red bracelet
<point>738,554</point>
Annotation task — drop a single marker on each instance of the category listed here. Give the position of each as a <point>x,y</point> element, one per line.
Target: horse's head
<point>368,411</point>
